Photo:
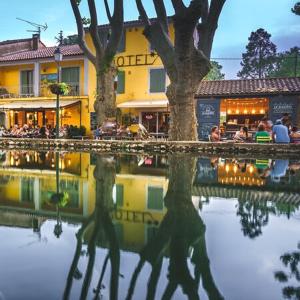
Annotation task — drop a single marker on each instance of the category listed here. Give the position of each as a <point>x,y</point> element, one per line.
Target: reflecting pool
<point>91,226</point>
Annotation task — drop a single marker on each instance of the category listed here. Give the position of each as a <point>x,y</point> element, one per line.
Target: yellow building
<point>25,75</point>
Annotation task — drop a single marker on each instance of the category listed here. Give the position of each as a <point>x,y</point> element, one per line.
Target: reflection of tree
<point>104,175</point>
<point>291,261</point>
<point>181,231</point>
<point>255,214</point>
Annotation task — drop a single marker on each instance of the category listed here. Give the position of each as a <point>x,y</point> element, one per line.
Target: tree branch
<point>107,11</point>
<point>142,12</point>
<point>207,29</point>
<point>116,25</point>
<point>161,14</point>
<point>94,28</point>
<point>81,33</point>
<point>179,6</point>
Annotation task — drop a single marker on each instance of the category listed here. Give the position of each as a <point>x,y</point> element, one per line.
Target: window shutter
<point>157,81</point>
<point>155,198</point>
<point>120,194</point>
<point>121,82</point>
<point>70,75</point>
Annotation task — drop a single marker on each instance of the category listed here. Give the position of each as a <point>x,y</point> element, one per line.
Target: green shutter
<point>120,194</point>
<point>27,190</point>
<point>155,198</point>
<point>27,82</point>
<point>121,82</point>
<point>70,75</point>
<point>157,81</point>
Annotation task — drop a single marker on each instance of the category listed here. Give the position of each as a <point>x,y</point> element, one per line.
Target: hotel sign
<point>136,60</point>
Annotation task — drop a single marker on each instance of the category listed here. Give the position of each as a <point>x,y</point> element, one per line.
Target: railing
<point>16,91</point>
<point>27,91</point>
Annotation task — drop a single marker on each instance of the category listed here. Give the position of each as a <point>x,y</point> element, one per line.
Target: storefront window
<point>156,122</point>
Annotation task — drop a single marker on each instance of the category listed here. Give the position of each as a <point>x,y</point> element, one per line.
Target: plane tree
<point>187,58</point>
<point>102,56</point>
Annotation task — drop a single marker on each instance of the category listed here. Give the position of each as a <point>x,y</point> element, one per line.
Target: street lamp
<point>58,56</point>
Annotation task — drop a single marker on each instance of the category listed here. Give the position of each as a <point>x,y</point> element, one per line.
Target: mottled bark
<point>105,102</point>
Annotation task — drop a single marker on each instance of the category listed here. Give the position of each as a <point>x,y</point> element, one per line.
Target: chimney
<point>35,41</point>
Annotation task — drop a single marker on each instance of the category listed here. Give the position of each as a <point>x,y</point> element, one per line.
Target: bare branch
<point>161,14</point>
<point>142,12</point>
<point>81,33</point>
<point>107,11</point>
<point>94,27</point>
<point>178,5</point>
<point>116,25</point>
<point>207,30</point>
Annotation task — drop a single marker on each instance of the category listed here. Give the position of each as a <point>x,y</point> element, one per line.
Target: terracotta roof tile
<point>245,87</point>
<point>47,52</point>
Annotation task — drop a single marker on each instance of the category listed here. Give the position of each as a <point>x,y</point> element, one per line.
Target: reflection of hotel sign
<point>136,60</point>
<point>282,107</point>
<point>134,216</point>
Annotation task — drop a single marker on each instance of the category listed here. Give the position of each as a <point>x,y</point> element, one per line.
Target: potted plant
<point>59,88</point>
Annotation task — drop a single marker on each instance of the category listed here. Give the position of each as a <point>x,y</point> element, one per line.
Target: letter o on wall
<point>120,61</point>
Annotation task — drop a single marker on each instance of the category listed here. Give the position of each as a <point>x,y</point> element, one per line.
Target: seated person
<point>295,135</point>
<point>215,134</point>
<point>241,135</point>
<point>280,133</point>
<point>261,135</point>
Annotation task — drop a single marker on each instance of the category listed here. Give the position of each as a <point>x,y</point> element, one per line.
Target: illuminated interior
<point>243,112</point>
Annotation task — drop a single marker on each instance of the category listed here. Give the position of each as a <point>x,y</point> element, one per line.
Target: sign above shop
<point>136,60</point>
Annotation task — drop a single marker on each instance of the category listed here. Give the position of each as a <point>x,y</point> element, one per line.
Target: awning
<point>144,104</point>
<point>49,104</point>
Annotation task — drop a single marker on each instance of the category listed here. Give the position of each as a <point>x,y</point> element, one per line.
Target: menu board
<point>208,115</point>
<point>280,105</point>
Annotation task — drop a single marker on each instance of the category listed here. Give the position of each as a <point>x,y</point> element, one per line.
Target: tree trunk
<point>183,121</point>
<point>105,102</point>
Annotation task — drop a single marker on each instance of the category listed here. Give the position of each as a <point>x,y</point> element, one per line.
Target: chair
<point>263,139</point>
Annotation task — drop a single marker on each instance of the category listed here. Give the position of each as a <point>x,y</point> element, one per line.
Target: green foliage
<point>288,64</point>
<point>260,58</point>
<point>215,73</point>
<point>59,88</point>
<point>70,40</point>
<point>61,199</point>
<point>3,91</point>
<point>296,9</point>
<point>86,21</point>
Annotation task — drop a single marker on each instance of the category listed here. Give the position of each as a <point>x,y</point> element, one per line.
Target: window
<point>121,82</point>
<point>155,198</point>
<point>120,195</point>
<point>27,83</point>
<point>157,81</point>
<point>71,77</point>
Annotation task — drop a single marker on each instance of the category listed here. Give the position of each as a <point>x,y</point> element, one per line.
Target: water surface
<point>87,226</point>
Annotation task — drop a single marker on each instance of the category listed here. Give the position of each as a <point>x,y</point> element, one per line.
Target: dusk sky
<point>238,19</point>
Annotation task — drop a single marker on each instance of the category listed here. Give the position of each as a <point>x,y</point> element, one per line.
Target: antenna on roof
<point>38,27</point>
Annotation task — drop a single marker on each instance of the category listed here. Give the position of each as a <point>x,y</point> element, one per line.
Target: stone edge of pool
<point>158,147</point>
